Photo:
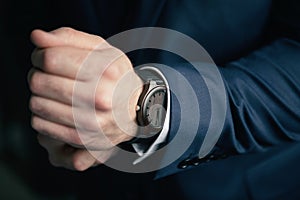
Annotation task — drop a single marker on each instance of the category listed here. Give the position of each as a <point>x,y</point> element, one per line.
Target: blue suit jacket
<point>256,46</point>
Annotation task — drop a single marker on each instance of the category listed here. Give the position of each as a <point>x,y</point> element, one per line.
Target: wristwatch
<point>151,105</point>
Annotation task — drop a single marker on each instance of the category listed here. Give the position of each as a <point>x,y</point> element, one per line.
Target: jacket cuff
<point>198,112</point>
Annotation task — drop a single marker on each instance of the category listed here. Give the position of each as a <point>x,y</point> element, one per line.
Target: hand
<point>84,95</point>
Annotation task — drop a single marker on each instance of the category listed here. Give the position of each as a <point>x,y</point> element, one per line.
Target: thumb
<point>65,37</point>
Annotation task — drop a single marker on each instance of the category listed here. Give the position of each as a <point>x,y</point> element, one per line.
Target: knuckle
<point>34,105</point>
<point>103,100</point>
<point>104,124</point>
<point>78,164</point>
<point>38,106</point>
<point>67,33</point>
<point>67,30</point>
<point>35,82</point>
<point>113,72</point>
<point>36,124</point>
<point>50,59</point>
<point>29,75</point>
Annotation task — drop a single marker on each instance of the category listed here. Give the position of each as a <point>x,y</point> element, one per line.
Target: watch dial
<point>155,110</point>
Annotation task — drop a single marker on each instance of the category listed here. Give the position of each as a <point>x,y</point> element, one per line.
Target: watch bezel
<point>150,88</point>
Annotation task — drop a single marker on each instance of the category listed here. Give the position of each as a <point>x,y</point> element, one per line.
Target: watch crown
<point>138,108</point>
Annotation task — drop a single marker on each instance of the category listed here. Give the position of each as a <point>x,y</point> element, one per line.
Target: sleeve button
<point>196,163</point>
<point>184,164</point>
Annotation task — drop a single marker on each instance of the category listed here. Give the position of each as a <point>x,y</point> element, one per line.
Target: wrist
<point>134,97</point>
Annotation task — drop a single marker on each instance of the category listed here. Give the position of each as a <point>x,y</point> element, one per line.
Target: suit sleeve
<point>262,93</point>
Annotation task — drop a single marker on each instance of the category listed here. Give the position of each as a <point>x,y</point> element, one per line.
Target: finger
<point>82,160</point>
<point>75,137</point>
<point>50,86</point>
<point>61,61</point>
<point>63,155</point>
<point>65,37</point>
<point>57,150</point>
<point>64,114</point>
<point>77,63</point>
<point>56,132</point>
<point>62,89</point>
<point>52,111</point>
<point>49,143</point>
<point>74,159</point>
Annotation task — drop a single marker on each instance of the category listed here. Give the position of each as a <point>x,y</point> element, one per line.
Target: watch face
<point>155,109</point>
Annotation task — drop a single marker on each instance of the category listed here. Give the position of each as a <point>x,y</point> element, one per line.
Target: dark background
<point>25,172</point>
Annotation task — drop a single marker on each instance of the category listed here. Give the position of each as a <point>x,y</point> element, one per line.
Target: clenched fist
<point>84,95</point>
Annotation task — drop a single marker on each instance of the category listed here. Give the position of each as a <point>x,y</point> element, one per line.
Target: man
<point>80,83</point>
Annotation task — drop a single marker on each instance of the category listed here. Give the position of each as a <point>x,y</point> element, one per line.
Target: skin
<point>81,111</point>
